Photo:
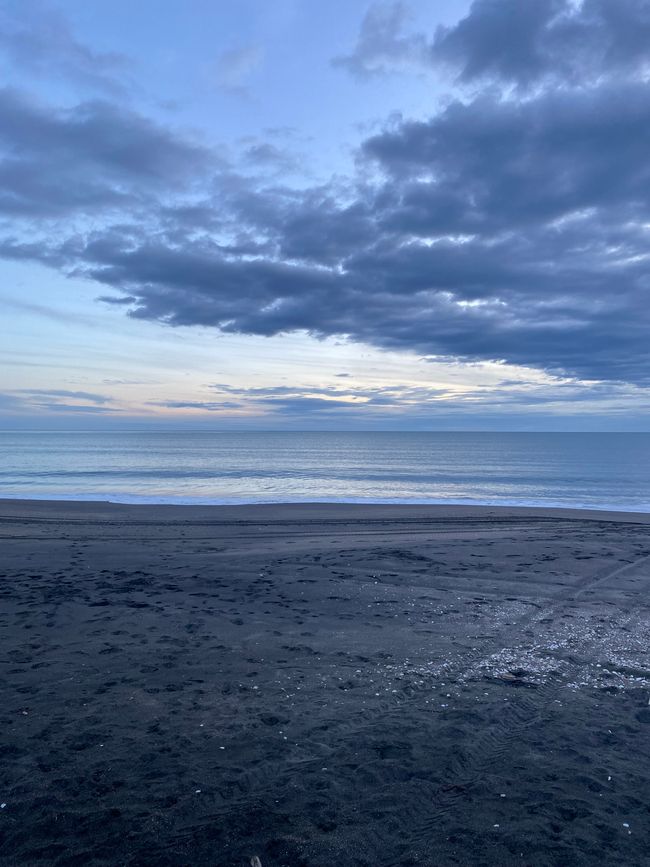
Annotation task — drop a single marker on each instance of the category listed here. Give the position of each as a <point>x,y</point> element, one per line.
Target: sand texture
<point>323,685</point>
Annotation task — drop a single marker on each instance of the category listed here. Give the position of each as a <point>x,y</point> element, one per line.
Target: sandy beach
<point>323,685</point>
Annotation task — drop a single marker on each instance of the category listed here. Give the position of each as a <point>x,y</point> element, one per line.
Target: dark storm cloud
<point>505,227</point>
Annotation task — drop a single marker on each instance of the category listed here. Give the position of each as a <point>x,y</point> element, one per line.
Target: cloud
<point>235,67</point>
<point>92,157</point>
<point>507,226</point>
<point>64,316</point>
<point>382,46</point>
<point>77,408</point>
<point>498,232</point>
<point>295,401</point>
<point>417,405</point>
<point>203,405</point>
<point>514,43</point>
<point>122,301</point>
<point>46,394</point>
<point>37,41</point>
<point>266,155</point>
<point>35,401</point>
<point>129,382</point>
<point>524,44</point>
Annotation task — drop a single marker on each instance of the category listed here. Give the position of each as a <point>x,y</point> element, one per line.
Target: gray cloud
<point>95,156</point>
<point>204,405</point>
<point>78,408</point>
<point>27,401</point>
<point>46,394</point>
<point>266,156</point>
<point>504,227</point>
<point>382,45</point>
<point>524,43</point>
<point>420,405</point>
<point>511,42</point>
<point>235,66</point>
<point>36,40</point>
<point>122,301</point>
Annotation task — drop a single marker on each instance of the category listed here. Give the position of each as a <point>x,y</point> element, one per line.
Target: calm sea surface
<point>591,470</point>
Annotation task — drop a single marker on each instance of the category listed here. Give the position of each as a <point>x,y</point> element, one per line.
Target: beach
<point>323,685</point>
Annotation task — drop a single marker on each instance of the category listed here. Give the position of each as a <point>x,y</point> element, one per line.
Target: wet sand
<point>323,685</point>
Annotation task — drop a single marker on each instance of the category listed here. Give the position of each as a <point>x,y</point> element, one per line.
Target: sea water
<point>592,470</point>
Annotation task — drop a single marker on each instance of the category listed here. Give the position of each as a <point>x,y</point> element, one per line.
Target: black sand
<point>323,685</point>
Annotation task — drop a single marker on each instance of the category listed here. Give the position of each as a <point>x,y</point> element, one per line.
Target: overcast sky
<point>290,214</point>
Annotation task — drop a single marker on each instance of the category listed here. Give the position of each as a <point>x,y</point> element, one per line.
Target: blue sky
<point>351,215</point>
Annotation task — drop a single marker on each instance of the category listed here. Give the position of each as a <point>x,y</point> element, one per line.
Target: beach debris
<point>255,861</point>
<point>3,805</point>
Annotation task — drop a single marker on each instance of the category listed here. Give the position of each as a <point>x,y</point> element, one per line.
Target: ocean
<point>590,470</point>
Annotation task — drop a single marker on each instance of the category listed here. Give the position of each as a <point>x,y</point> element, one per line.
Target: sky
<point>288,214</point>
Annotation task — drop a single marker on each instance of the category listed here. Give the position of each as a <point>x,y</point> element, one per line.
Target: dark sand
<point>323,685</point>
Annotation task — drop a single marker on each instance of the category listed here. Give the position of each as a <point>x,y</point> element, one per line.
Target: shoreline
<point>26,507</point>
